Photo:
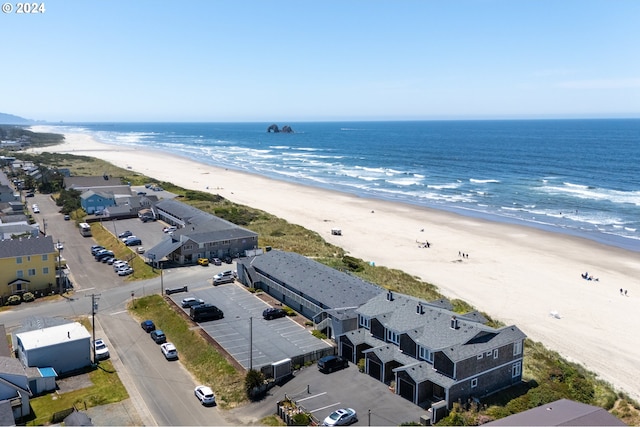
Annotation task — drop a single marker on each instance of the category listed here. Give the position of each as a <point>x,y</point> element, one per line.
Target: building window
<point>425,354</point>
<point>31,272</point>
<point>495,353</point>
<point>393,337</point>
<point>45,270</point>
<point>517,348</point>
<point>19,260</point>
<point>19,274</point>
<point>45,257</point>
<point>489,353</point>
<point>474,383</point>
<point>365,322</point>
<point>480,356</point>
<point>516,369</point>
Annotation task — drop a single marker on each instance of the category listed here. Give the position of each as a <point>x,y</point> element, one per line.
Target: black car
<point>125,234</point>
<point>329,364</point>
<point>273,313</point>
<point>158,336</point>
<point>148,326</point>
<point>133,242</point>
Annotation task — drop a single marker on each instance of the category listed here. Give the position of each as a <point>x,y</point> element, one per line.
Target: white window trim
<point>425,354</point>
<point>516,370</point>
<point>393,337</point>
<point>474,382</point>
<point>517,348</point>
<point>495,353</point>
<point>365,322</point>
<point>480,356</point>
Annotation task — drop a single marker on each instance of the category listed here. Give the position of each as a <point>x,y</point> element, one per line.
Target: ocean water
<point>580,177</point>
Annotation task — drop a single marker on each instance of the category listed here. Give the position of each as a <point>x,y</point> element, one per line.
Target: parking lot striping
<point>118,312</point>
<point>311,397</point>
<point>85,290</point>
<point>325,407</point>
<point>219,336</point>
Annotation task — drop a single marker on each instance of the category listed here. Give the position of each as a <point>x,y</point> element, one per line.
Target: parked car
<point>341,417</point>
<point>29,194</point>
<point>148,325</point>
<point>141,193</point>
<point>228,259</point>
<point>203,312</point>
<point>228,273</point>
<point>191,301</point>
<point>104,254</point>
<point>125,271</point>
<point>96,248</point>
<point>59,246</point>
<point>329,364</point>
<point>216,261</point>
<point>222,280</point>
<point>67,217</point>
<point>169,350</point>
<point>169,229</point>
<point>125,234</point>
<point>118,264</point>
<point>111,260</point>
<point>36,209</point>
<point>140,249</point>
<point>133,242</point>
<point>107,259</point>
<point>158,336</point>
<point>273,313</point>
<point>102,351</point>
<point>205,395</point>
<point>203,262</point>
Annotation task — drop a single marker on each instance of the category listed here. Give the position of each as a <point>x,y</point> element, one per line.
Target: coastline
<point>514,273</point>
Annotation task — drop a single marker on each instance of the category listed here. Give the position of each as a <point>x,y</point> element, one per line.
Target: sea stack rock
<point>274,128</point>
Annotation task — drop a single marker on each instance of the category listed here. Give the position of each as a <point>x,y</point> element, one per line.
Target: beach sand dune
<point>516,274</point>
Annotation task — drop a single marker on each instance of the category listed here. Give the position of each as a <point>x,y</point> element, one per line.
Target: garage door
<point>347,351</point>
<point>406,389</point>
<point>375,369</point>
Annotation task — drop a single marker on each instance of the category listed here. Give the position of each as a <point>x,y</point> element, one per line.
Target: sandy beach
<point>516,274</point>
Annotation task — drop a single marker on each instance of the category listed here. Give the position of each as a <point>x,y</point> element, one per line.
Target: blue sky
<point>208,60</point>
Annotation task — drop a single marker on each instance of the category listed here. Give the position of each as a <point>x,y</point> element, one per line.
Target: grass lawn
<point>106,388</point>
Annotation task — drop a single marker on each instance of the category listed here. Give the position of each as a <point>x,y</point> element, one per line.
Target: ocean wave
<point>594,193</point>
<point>484,181</point>
<point>450,186</point>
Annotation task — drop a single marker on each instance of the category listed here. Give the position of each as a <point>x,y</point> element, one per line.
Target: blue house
<point>96,201</point>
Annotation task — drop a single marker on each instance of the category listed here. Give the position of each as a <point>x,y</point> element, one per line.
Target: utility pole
<point>94,307</point>
<point>44,226</point>
<point>161,281</point>
<point>59,274</point>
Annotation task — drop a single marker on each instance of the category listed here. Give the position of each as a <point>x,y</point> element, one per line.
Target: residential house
<point>432,355</point>
<point>11,230</point>
<point>14,386</point>
<point>201,235</point>
<point>8,194</point>
<point>96,201</point>
<point>27,265</point>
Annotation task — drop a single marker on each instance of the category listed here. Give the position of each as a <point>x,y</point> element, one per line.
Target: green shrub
<point>361,364</point>
<point>316,333</point>
<point>252,380</point>
<point>301,419</point>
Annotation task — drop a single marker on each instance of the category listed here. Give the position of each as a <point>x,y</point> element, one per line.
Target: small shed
<point>65,348</point>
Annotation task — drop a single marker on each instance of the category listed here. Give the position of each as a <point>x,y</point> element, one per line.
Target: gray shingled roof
<point>423,371</point>
<point>328,286</point>
<point>188,214</point>
<point>23,247</point>
<point>432,327</point>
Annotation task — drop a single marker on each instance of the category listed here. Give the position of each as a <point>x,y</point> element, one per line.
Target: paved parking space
<point>320,394</point>
<point>272,340</point>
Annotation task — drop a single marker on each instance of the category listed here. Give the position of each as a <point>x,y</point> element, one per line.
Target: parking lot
<point>271,340</point>
<point>320,394</point>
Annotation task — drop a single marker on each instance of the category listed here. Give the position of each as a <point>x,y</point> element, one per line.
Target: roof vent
<point>454,322</point>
